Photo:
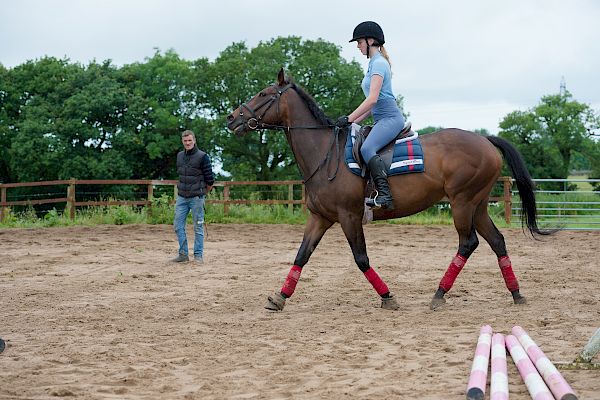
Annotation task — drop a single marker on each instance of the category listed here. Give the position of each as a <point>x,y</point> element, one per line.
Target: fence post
<point>291,196</point>
<point>71,198</point>
<point>225,199</point>
<point>150,198</point>
<point>3,210</point>
<point>507,199</point>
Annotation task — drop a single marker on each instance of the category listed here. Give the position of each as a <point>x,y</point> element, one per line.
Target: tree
<point>5,122</point>
<point>37,91</point>
<point>551,133</point>
<point>60,120</point>
<point>163,100</point>
<point>64,121</point>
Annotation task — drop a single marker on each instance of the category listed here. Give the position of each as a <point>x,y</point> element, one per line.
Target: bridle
<point>255,123</point>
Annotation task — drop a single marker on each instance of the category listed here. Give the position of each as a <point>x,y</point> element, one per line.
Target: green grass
<point>162,212</point>
<point>586,186</point>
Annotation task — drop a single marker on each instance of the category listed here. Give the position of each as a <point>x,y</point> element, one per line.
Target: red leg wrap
<point>378,284</point>
<point>507,273</point>
<point>457,264</point>
<point>290,282</point>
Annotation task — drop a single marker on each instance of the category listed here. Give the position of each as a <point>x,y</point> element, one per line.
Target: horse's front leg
<point>313,233</point>
<point>352,227</point>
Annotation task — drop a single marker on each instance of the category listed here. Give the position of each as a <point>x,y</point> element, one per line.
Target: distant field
<point>581,185</point>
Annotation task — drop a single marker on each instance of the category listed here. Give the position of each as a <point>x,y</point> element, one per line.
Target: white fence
<point>562,207</point>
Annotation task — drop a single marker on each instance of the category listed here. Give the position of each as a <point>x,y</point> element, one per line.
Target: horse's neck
<point>309,145</point>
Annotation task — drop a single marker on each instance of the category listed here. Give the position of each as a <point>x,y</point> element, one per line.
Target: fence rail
<point>566,209</point>
<point>72,203</point>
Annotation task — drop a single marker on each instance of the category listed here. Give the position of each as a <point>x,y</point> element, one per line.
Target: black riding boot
<point>383,198</point>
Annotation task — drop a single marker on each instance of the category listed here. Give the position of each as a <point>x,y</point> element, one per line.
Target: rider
<point>380,101</point>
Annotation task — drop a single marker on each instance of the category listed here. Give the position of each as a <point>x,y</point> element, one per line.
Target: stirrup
<point>371,202</point>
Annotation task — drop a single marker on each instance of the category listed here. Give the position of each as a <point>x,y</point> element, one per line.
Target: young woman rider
<point>380,102</point>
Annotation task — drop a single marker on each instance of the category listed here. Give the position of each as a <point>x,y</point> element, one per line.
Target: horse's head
<point>262,111</point>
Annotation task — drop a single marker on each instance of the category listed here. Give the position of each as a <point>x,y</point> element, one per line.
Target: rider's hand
<point>342,121</point>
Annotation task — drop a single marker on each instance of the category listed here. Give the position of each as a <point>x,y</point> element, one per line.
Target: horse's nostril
<point>230,117</point>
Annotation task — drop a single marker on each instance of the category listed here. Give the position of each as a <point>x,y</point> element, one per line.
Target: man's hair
<point>188,133</point>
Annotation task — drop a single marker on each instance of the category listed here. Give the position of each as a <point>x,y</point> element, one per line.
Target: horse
<point>460,165</point>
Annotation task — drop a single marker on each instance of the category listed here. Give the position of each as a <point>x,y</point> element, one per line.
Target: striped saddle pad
<point>406,158</point>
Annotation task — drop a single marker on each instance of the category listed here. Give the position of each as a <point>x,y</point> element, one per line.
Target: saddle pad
<point>407,157</point>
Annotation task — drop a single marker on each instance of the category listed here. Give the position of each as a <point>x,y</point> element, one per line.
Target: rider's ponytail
<point>385,54</point>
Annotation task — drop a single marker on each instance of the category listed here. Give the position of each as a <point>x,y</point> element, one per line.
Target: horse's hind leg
<point>352,227</point>
<point>313,233</point>
<point>467,243</point>
<point>486,228</point>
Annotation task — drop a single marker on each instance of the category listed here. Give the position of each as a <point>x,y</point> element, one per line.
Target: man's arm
<point>209,177</point>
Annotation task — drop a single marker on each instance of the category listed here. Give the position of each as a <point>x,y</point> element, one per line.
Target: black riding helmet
<point>368,29</point>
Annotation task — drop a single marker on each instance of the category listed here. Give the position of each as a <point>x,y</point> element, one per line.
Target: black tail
<point>524,182</point>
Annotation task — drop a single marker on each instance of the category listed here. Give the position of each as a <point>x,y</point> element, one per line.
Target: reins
<point>327,160</point>
<point>254,123</point>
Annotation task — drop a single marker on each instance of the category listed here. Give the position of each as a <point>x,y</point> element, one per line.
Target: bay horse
<point>460,165</point>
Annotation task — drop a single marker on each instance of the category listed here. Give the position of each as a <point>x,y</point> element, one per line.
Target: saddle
<point>386,152</point>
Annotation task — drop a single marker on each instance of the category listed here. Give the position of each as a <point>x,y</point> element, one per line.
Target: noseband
<point>254,122</point>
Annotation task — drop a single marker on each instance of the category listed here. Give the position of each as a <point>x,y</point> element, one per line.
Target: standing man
<point>196,179</point>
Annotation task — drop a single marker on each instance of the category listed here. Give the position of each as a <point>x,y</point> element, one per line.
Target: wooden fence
<point>72,203</point>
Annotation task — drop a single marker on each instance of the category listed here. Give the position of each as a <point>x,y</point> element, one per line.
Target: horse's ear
<point>281,78</point>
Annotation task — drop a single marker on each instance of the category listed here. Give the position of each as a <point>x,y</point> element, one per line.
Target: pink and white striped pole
<point>479,369</point>
<point>534,382</point>
<point>499,380</point>
<point>555,381</point>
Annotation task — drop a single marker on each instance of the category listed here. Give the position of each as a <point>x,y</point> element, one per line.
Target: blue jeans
<point>183,206</point>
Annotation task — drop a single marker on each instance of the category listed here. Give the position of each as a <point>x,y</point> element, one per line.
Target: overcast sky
<point>460,63</point>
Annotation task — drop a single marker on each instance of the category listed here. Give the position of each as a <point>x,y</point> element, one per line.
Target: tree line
<point>61,120</point>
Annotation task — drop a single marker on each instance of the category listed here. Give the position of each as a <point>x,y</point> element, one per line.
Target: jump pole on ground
<point>499,379</point>
<point>534,382</point>
<point>553,378</point>
<point>479,369</point>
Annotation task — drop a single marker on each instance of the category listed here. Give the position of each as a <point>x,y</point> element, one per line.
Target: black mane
<point>313,106</point>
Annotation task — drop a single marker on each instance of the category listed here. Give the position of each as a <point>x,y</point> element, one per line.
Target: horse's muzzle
<point>236,125</point>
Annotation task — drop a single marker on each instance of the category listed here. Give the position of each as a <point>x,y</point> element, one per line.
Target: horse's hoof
<point>520,300</point>
<point>518,297</point>
<point>437,302</point>
<point>389,303</point>
<point>275,302</point>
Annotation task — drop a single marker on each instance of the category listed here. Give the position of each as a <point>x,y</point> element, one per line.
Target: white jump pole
<point>534,382</point>
<point>499,380</point>
<point>479,369</point>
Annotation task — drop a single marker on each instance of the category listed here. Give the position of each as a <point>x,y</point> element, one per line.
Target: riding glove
<point>342,121</point>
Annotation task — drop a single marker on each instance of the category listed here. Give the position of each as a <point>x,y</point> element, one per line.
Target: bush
<point>161,211</point>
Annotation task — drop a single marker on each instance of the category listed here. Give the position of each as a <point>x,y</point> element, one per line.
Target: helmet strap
<point>368,48</point>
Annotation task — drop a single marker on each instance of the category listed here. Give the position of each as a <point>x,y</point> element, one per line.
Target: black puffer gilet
<point>191,178</point>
